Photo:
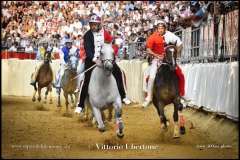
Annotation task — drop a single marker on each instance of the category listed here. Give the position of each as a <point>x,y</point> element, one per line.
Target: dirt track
<point>35,126</point>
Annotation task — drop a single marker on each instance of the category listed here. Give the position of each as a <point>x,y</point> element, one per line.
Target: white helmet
<point>68,41</point>
<point>95,18</point>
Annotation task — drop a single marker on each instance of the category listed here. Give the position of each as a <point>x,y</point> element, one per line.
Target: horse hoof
<point>120,135</point>
<point>34,99</point>
<point>182,130</point>
<point>164,129</point>
<point>175,135</point>
<point>58,105</point>
<point>50,102</point>
<point>102,129</point>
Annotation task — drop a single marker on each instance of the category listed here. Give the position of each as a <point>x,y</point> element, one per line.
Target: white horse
<point>103,90</point>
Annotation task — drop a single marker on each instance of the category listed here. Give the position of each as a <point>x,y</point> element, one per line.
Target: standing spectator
<point>197,17</point>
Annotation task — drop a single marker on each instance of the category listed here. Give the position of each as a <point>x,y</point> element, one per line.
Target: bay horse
<point>67,84</point>
<point>166,91</point>
<point>103,91</point>
<point>44,79</point>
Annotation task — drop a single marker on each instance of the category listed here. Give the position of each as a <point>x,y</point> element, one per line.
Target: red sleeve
<point>150,42</point>
<point>107,37</point>
<point>82,54</point>
<point>115,48</point>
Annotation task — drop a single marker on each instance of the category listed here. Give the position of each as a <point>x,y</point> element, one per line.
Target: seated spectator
<point>14,47</point>
<point>28,47</point>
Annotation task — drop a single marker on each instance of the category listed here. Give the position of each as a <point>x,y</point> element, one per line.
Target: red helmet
<point>95,18</point>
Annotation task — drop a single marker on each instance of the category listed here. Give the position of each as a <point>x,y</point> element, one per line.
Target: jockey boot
<point>33,82</point>
<point>126,101</point>
<point>78,110</point>
<point>185,98</point>
<point>145,104</point>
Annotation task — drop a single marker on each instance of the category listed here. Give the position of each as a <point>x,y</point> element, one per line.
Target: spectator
<point>14,47</point>
<point>125,54</point>
<point>197,17</point>
<point>28,47</point>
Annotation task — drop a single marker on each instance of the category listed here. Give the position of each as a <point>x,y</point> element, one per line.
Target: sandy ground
<point>36,130</point>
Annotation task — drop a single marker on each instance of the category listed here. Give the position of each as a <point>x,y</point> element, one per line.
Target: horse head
<point>47,56</point>
<point>107,58</point>
<point>73,63</point>
<point>170,55</point>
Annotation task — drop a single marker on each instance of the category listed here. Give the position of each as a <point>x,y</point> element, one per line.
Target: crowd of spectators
<point>25,23</point>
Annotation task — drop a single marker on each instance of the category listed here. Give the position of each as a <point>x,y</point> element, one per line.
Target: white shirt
<point>13,48</point>
<point>72,52</point>
<point>98,40</point>
<point>29,49</point>
<point>172,38</point>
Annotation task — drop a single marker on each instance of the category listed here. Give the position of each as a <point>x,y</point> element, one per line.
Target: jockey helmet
<point>68,41</point>
<point>95,18</point>
<point>194,4</point>
<point>162,24</point>
<point>45,43</point>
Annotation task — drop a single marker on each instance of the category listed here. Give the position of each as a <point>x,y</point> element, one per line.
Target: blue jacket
<point>74,51</point>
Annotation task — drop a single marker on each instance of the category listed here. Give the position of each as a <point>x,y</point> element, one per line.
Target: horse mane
<point>165,73</point>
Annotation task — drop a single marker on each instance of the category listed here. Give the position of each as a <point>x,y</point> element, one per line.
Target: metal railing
<point>212,42</point>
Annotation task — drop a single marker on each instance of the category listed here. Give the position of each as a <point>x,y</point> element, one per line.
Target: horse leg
<point>88,107</point>
<point>58,102</point>
<point>97,114</point>
<point>175,118</point>
<point>76,100</point>
<point>39,94</point>
<point>72,101</point>
<point>45,99</point>
<point>118,114</point>
<point>163,120</point>
<point>159,106</point>
<point>34,94</point>
<point>181,120</point>
<point>50,98</point>
<point>66,99</point>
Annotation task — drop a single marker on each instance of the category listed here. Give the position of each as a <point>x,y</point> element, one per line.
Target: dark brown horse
<point>166,91</point>
<point>44,79</point>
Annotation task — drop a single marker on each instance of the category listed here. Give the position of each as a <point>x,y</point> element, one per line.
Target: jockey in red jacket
<point>155,46</point>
